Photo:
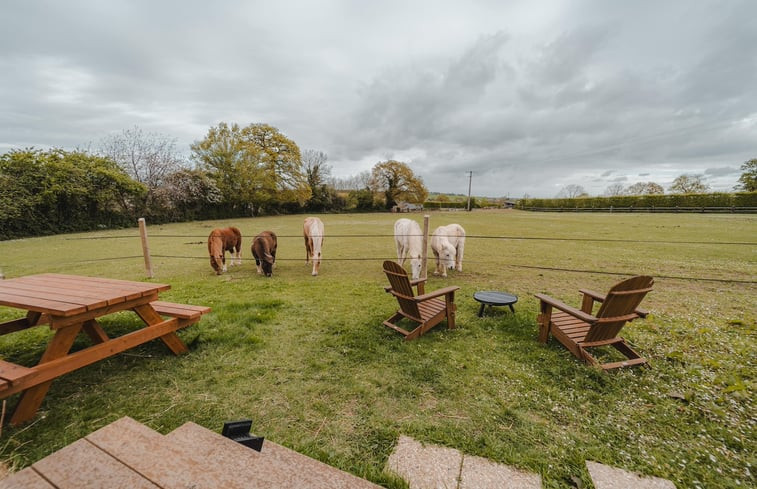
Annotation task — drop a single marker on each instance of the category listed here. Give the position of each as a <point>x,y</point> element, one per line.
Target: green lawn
<point>308,359</point>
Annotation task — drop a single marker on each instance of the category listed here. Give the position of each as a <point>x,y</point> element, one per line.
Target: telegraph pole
<point>470,179</point>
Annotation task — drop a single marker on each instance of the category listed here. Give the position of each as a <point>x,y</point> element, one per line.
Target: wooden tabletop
<point>68,295</point>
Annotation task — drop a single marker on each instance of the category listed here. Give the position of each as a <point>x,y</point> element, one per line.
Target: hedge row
<point>431,205</point>
<point>742,199</point>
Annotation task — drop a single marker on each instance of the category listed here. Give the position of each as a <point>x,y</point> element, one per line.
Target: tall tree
<point>254,166</point>
<point>572,191</point>
<point>614,190</point>
<point>748,179</point>
<point>689,184</point>
<point>398,183</point>
<point>645,188</point>
<point>185,194</point>
<point>356,182</point>
<point>146,157</point>
<point>318,173</point>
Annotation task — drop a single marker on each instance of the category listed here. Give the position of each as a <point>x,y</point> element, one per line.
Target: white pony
<point>313,232</point>
<point>448,244</point>
<point>409,240</point>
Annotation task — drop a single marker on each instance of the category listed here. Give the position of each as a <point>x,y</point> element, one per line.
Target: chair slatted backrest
<point>401,288</point>
<point>619,304</point>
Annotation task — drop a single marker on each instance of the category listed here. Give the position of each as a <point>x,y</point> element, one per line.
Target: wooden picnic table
<point>70,305</point>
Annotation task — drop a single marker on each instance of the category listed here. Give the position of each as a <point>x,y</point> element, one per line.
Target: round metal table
<point>494,298</point>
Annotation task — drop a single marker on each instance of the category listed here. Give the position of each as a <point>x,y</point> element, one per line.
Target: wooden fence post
<point>424,254</point>
<point>145,247</point>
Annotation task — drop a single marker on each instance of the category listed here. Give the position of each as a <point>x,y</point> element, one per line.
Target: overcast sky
<point>529,95</point>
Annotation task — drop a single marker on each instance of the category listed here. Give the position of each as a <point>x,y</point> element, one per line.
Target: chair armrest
<point>576,313</point>
<point>436,293</point>
<point>642,313</point>
<point>592,294</point>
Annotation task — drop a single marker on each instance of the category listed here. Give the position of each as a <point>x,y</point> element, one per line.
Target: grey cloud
<point>595,93</point>
<point>723,171</point>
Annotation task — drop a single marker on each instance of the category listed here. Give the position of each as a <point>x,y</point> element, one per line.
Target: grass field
<point>309,361</point>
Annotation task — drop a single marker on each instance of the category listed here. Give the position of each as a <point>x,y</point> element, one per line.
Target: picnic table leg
<point>32,397</point>
<point>481,310</point>
<point>171,340</point>
<point>95,331</point>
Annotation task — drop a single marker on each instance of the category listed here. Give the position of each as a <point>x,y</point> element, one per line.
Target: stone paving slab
<point>482,473</point>
<point>425,467</point>
<point>435,467</point>
<point>606,477</point>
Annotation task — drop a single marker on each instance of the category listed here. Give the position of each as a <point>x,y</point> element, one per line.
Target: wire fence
<point>468,236</point>
<point>431,258</point>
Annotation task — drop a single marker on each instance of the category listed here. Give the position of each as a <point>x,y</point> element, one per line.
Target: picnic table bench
<point>70,305</point>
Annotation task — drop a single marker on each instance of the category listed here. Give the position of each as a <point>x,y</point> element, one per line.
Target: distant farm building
<point>407,207</point>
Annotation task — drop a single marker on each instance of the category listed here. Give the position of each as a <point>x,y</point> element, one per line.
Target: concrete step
<point>160,460</point>
<point>274,467</point>
<point>128,455</point>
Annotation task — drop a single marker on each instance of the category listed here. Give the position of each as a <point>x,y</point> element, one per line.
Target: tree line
<point>683,184</point>
<point>234,171</point>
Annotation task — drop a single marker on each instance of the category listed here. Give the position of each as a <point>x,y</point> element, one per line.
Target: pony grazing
<point>448,244</point>
<point>220,241</point>
<point>409,240</point>
<point>313,232</point>
<point>264,251</point>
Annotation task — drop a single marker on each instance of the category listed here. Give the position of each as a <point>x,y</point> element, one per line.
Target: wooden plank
<point>107,283</point>
<point>626,363</point>
<point>11,372</point>
<point>15,325</point>
<point>396,328</point>
<point>273,467</point>
<point>67,320</point>
<point>55,368</point>
<point>50,292</point>
<point>173,309</point>
<point>95,331</point>
<point>82,465</point>
<point>104,287</point>
<point>40,305</point>
<point>32,397</point>
<point>25,479</point>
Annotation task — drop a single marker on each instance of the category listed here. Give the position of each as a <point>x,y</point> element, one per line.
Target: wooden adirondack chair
<point>579,330</point>
<point>426,310</point>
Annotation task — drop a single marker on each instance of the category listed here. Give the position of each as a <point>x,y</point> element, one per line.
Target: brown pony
<point>264,251</point>
<point>219,242</point>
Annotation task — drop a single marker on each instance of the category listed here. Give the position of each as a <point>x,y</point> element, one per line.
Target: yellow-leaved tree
<point>255,166</point>
<point>398,183</point>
